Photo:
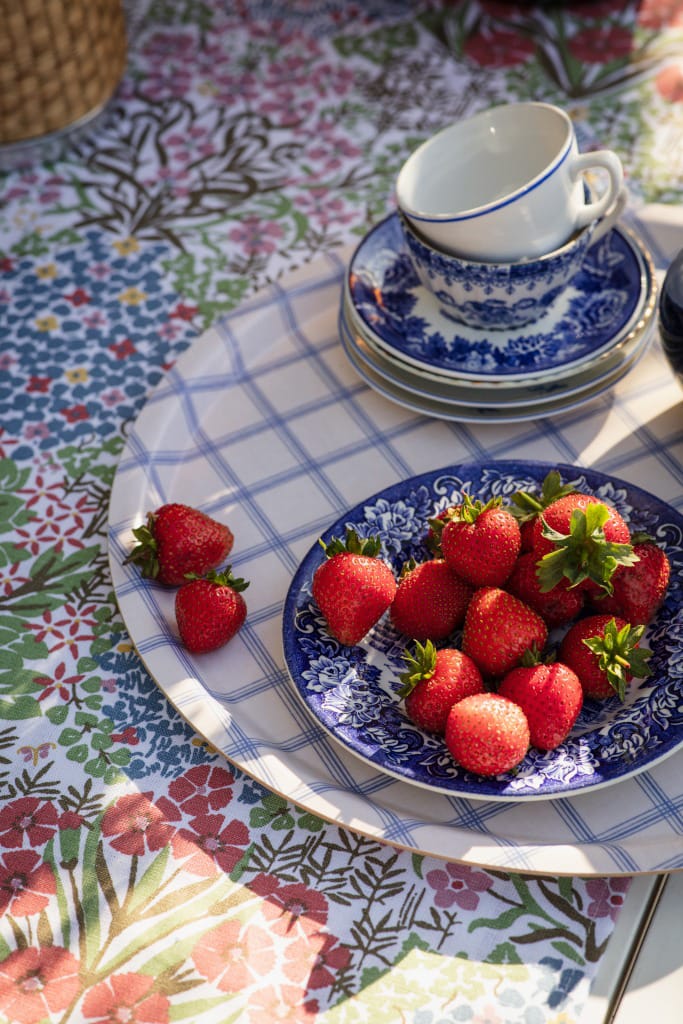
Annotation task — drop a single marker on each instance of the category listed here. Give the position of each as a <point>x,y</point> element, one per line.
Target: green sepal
<point>145,553</point>
<point>407,567</point>
<point>619,655</point>
<point>222,578</point>
<point>352,544</point>
<point>526,506</point>
<point>421,664</point>
<point>584,553</point>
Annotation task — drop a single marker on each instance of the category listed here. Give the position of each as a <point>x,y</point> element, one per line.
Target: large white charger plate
<point>264,424</point>
<point>598,310</point>
<point>353,691</point>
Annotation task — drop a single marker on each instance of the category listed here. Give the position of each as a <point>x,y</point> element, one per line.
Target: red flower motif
<point>669,83</point>
<point>35,983</point>
<point>137,824</point>
<point>498,48</point>
<point>211,843</point>
<point>39,384</point>
<point>122,349</point>
<point>126,997</point>
<point>203,787</point>
<point>601,43</point>
<point>290,907</point>
<point>78,297</point>
<point>233,955</point>
<point>331,958</point>
<point>6,265</point>
<point>459,884</point>
<point>27,818</point>
<point>607,896</point>
<point>25,883</point>
<point>184,312</point>
<point>74,413</point>
<point>60,682</point>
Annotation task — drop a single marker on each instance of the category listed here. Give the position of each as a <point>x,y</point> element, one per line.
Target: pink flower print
<point>607,896</point>
<point>658,14</point>
<point>287,108</point>
<point>458,884</point>
<point>210,843</point>
<point>25,883</point>
<point>100,271</point>
<point>126,997</point>
<point>234,955</point>
<point>282,1003</point>
<point>331,958</point>
<point>669,83</point>
<point>202,788</point>
<point>35,983</point>
<point>488,1015</point>
<point>291,908</point>
<point>27,818</point>
<point>36,430</point>
<point>601,43</point>
<point>113,397</point>
<point>332,151</point>
<point>94,319</point>
<point>498,48</point>
<point>256,236</point>
<point>137,825</point>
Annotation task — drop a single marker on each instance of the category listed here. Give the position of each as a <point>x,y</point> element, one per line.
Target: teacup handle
<point>611,163</point>
<point>612,215</point>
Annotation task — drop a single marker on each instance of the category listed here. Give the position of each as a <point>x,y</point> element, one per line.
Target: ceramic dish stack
<point>405,347</point>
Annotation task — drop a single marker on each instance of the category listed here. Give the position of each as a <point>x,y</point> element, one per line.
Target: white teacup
<point>506,184</point>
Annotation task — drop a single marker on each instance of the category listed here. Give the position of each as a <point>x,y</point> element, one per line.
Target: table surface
<point>143,874</point>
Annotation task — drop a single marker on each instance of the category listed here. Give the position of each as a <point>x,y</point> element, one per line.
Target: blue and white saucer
<point>603,305</point>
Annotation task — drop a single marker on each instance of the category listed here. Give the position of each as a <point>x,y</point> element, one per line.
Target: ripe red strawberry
<point>487,734</point>
<point>354,587</point>
<point>430,601</point>
<point>558,606</point>
<point>603,651</point>
<point>550,695</point>
<point>481,542</point>
<point>434,681</point>
<point>639,589</point>
<point>177,541</point>
<point>498,629</point>
<point>527,505</point>
<point>581,539</point>
<point>210,610</point>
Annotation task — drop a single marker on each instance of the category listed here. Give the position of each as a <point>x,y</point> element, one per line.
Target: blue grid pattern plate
<point>264,424</point>
<point>600,307</point>
<point>352,691</point>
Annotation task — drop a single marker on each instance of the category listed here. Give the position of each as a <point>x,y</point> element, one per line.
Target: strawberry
<point>434,681</point>
<point>550,695</point>
<point>353,587</point>
<point>498,629</point>
<point>526,506</point>
<point>487,734</point>
<point>639,589</point>
<point>481,542</point>
<point>558,606</point>
<point>210,610</point>
<point>603,651</point>
<point>430,601</point>
<point>177,541</point>
<point>580,538</point>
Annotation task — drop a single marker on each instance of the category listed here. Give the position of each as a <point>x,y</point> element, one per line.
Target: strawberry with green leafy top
<point>639,589</point>
<point>430,601</point>
<point>527,506</point>
<point>498,629</point>
<point>481,542</point>
<point>604,652</point>
<point>434,680</point>
<point>487,734</point>
<point>353,587</point>
<point>178,540</point>
<point>557,606</point>
<point>210,610</point>
<point>550,695</point>
<point>581,539</point>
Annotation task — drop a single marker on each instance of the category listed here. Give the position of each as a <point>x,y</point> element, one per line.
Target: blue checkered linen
<point>264,424</point>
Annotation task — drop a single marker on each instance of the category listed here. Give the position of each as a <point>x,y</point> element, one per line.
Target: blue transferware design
<point>353,691</point>
<point>495,295</point>
<point>598,308</point>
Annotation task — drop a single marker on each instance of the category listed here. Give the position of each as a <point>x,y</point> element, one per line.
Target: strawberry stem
<point>421,664</point>
<point>584,553</point>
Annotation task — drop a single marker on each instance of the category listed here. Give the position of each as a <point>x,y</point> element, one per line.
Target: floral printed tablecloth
<point>142,877</point>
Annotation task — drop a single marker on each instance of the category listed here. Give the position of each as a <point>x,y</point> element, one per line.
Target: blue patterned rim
<point>352,691</point>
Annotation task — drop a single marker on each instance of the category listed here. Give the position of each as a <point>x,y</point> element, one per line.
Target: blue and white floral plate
<point>352,692</point>
<point>601,307</point>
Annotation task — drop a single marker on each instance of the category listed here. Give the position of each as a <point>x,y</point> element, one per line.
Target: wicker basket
<point>60,61</point>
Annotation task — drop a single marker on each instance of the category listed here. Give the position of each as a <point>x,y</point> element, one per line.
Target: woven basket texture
<point>60,60</point>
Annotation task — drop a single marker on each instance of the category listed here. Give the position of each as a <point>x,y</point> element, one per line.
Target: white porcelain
<point>505,184</point>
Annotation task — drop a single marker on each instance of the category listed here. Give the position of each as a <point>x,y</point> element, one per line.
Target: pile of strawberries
<point>182,547</point>
<point>507,576</point>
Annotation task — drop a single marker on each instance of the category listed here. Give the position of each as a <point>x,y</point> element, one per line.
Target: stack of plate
<point>406,348</point>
